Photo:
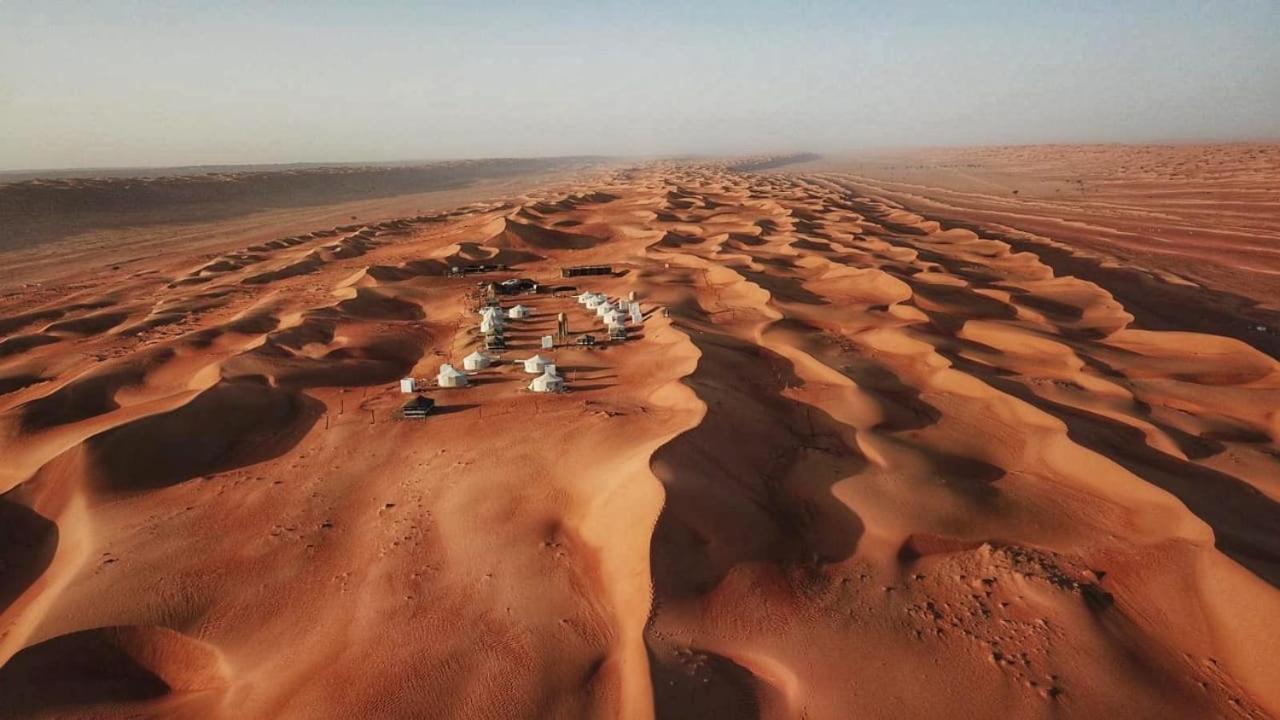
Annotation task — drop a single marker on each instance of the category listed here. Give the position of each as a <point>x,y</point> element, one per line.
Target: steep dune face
<point>858,460</point>
<point>114,665</point>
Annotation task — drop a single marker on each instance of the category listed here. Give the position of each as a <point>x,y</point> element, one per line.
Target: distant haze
<point>121,83</point>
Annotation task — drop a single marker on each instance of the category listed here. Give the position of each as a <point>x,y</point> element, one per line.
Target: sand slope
<point>859,461</point>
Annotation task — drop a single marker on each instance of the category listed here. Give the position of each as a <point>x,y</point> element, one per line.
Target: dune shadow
<point>232,424</point>
<point>451,409</point>
<point>91,394</point>
<point>770,499</point>
<point>28,541</point>
<point>717,688</point>
<point>18,344</point>
<point>491,379</point>
<point>1245,522</point>
<point>14,383</point>
<point>80,669</point>
<point>578,387</point>
<point>1155,303</point>
<point>71,675</point>
<point>751,483</point>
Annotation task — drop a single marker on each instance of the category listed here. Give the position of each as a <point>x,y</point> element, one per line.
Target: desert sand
<point>888,444</point>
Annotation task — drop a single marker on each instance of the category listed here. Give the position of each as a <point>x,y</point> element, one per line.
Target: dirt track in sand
<point>870,461</point>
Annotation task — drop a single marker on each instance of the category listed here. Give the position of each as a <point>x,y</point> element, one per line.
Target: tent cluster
<point>545,369</point>
<point>615,315</point>
<point>493,322</point>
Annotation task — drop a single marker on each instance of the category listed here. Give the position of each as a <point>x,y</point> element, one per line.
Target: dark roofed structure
<point>418,408</point>
<point>580,270</point>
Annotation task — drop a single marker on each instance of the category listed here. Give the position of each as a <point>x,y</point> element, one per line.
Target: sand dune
<point>864,458</point>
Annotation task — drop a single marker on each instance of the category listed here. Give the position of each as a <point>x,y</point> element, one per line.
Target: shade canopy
<point>418,407</point>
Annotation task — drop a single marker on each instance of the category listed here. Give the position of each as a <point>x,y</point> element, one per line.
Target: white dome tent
<point>535,364</point>
<point>584,297</point>
<point>490,324</point>
<point>476,361</point>
<point>614,317</point>
<point>603,308</point>
<point>548,381</point>
<point>450,378</point>
<point>518,312</point>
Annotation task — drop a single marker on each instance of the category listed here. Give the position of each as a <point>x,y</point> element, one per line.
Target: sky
<point>132,83</point>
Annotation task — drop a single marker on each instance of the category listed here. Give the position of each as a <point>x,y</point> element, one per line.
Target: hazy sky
<point>135,83</point>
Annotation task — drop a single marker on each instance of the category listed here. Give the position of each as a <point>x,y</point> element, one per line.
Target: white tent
<point>637,317</point>
<point>408,385</point>
<point>490,311</point>
<point>604,308</point>
<point>595,301</point>
<point>547,381</point>
<point>548,342</point>
<point>490,325</point>
<point>613,317</point>
<point>535,364</point>
<point>476,361</point>
<point>449,377</point>
<point>519,312</point>
<point>584,297</point>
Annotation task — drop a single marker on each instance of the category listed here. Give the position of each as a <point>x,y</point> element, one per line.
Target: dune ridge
<point>861,459</point>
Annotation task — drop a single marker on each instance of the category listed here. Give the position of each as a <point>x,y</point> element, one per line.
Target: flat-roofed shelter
<point>580,270</point>
<point>417,408</point>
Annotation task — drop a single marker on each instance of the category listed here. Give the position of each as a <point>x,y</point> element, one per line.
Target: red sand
<point>888,452</point>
